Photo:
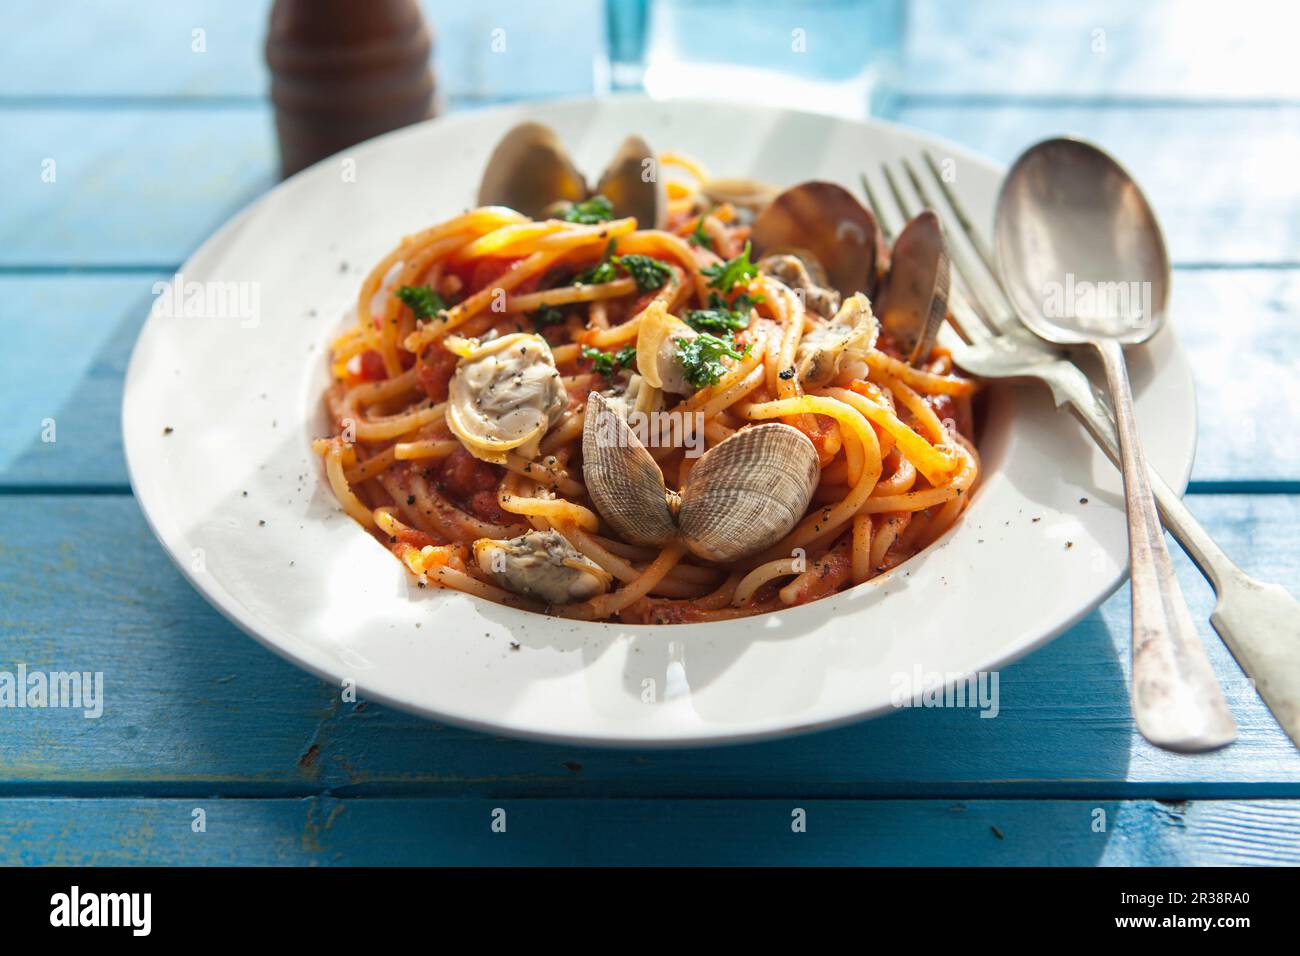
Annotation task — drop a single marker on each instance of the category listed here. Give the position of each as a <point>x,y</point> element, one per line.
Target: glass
<point>830,56</point>
<point>625,31</point>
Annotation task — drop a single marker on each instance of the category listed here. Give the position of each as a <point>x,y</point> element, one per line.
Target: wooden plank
<point>1220,178</point>
<point>1167,49</point>
<point>1237,327</point>
<point>194,707</point>
<point>328,831</point>
<point>130,186</point>
<point>1160,49</point>
<point>72,336</point>
<point>147,49</point>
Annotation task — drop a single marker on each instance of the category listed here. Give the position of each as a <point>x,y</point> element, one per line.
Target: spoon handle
<point>1177,702</point>
<point>1259,622</point>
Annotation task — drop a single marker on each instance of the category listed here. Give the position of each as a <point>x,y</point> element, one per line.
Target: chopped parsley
<point>701,358</point>
<point>548,315</point>
<point>609,363</point>
<point>698,236</point>
<point>724,275</point>
<point>721,317</point>
<point>422,300</point>
<point>602,271</point>
<point>649,273</point>
<point>588,213</point>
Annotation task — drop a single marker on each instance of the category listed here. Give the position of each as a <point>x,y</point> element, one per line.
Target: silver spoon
<point>1084,263</point>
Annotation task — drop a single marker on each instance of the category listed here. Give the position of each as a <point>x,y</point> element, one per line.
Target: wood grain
<point>193,706</point>
<point>398,831</point>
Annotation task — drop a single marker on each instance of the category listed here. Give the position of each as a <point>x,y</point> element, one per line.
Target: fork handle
<point>1259,622</point>
<point>1176,698</point>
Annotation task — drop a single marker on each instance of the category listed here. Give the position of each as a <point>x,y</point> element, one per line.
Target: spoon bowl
<point>1079,248</point>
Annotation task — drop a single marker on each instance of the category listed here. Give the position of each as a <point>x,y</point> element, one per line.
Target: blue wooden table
<point>122,146</point>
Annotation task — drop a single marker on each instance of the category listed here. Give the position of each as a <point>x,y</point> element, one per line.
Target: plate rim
<point>769,728</point>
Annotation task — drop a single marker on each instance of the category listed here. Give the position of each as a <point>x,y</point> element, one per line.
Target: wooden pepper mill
<point>343,71</point>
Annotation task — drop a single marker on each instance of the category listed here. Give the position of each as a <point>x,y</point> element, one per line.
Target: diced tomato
<point>885,343</point>
<point>819,428</point>
<point>829,574</point>
<point>484,504</point>
<point>488,269</point>
<point>463,475</point>
<point>372,366</point>
<point>415,537</point>
<point>436,367</point>
<point>943,406</point>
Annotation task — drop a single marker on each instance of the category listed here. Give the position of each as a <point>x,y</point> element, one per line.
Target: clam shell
<point>748,491</point>
<point>823,221</point>
<point>656,349</point>
<point>915,297</point>
<point>529,171</point>
<point>623,480</point>
<point>632,184</point>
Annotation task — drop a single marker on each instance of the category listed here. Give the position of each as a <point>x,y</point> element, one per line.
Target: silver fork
<point>1259,623</point>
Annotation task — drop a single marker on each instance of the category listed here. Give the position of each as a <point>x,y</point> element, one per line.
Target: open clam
<point>504,395</point>
<point>530,171</point>
<point>631,183</point>
<point>541,564</point>
<point>806,278</point>
<point>828,346</point>
<point>825,227</point>
<point>914,300</point>
<point>743,495</point>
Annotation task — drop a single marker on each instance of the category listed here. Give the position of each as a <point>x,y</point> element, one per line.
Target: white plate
<point>242,398</point>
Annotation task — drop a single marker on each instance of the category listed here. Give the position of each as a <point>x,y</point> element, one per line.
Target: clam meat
<point>796,274</point>
<point>504,395</point>
<point>543,565</point>
<point>827,347</point>
<point>657,341</point>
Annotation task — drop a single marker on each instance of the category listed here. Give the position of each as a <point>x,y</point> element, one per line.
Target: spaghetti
<point>460,396</point>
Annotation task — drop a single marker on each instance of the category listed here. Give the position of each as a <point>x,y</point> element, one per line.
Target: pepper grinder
<point>342,72</point>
